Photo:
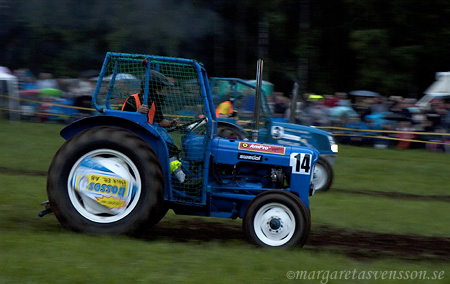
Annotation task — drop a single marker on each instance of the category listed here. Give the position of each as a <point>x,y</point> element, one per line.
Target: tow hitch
<point>47,210</point>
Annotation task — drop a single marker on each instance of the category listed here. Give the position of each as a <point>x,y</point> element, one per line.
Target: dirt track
<point>396,195</point>
<point>353,243</point>
<point>361,244</point>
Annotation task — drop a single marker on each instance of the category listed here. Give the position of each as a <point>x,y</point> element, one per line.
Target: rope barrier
<point>393,138</point>
<point>320,127</point>
<point>383,131</point>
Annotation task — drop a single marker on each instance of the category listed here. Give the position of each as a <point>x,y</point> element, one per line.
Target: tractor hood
<point>300,135</point>
<point>229,151</point>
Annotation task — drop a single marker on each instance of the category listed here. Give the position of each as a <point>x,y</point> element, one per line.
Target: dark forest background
<point>390,46</point>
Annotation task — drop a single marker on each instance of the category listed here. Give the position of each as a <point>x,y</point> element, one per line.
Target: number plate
<point>300,163</point>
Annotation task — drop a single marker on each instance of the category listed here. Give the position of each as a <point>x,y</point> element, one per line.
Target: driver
<point>135,102</point>
<point>155,115</point>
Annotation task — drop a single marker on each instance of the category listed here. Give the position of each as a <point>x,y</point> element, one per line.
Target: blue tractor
<point>120,171</point>
<point>241,94</point>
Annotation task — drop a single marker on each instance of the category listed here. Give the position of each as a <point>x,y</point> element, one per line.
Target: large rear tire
<point>277,218</point>
<point>85,174</point>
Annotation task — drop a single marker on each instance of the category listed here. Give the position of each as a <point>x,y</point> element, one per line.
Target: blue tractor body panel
<point>233,171</point>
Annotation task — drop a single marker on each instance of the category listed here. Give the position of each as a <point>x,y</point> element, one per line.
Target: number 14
<point>300,163</point>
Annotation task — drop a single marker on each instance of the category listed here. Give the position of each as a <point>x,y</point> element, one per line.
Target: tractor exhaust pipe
<point>259,75</point>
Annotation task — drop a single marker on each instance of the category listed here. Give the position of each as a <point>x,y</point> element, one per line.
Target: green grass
<point>39,250</point>
<point>407,171</point>
<point>69,258</point>
<point>28,146</point>
<point>380,214</point>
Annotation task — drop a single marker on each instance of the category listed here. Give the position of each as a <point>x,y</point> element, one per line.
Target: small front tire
<point>277,218</point>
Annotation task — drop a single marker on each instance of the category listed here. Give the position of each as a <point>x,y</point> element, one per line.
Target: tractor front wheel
<point>277,218</point>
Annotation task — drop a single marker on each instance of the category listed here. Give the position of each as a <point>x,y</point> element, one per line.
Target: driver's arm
<point>165,123</point>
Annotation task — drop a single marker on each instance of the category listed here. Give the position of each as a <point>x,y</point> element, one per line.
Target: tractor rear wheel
<point>277,218</point>
<point>106,180</point>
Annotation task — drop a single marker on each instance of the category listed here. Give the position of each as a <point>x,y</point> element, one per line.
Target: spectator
<point>331,101</point>
<point>363,106</point>
<point>355,137</point>
<point>405,126</point>
<point>280,104</point>
<point>446,118</point>
<point>225,109</point>
<point>372,124</point>
<point>378,105</point>
<point>318,113</point>
<point>436,113</point>
<point>46,81</point>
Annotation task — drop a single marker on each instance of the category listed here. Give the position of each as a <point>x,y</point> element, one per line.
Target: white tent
<point>438,89</point>
<point>12,91</point>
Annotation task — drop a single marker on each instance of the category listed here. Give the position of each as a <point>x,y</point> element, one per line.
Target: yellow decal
<point>111,202</point>
<point>108,185</point>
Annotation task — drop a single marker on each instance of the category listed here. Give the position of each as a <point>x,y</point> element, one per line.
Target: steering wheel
<point>187,127</point>
<point>196,123</point>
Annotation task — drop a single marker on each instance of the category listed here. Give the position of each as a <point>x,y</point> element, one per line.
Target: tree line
<point>390,46</point>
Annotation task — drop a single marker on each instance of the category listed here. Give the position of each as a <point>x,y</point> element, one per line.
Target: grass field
<point>387,210</point>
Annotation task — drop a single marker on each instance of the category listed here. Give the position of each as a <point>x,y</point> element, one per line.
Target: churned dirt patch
<point>362,244</point>
<point>395,195</point>
<point>353,243</point>
<point>23,172</point>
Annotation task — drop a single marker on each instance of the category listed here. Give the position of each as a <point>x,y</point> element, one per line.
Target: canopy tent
<point>438,89</point>
<point>9,86</point>
<point>441,85</point>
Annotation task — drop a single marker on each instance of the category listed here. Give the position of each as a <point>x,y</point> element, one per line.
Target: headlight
<point>333,145</point>
<point>334,148</point>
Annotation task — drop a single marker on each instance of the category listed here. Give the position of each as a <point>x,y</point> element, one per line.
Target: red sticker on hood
<point>261,148</point>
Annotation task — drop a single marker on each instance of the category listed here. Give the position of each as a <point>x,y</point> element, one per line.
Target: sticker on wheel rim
<point>106,182</point>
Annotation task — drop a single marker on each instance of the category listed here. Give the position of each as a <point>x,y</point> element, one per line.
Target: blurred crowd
<point>44,97</point>
<point>356,119</point>
<point>70,87</point>
<point>372,119</point>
